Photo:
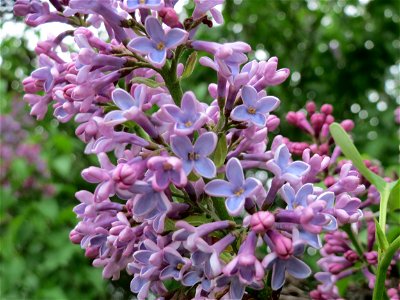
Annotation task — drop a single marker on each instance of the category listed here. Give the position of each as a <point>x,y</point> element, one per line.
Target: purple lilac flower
<point>159,42</point>
<point>188,118</point>
<point>254,109</point>
<point>236,189</point>
<point>176,264</point>
<point>246,264</point>
<point>292,265</point>
<point>283,168</point>
<point>131,5</point>
<point>195,156</point>
<point>166,170</point>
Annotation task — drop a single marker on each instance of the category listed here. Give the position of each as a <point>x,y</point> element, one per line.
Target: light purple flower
<point>159,42</point>
<point>292,265</point>
<point>246,264</point>
<point>236,189</point>
<point>166,170</point>
<point>131,5</point>
<point>283,168</point>
<point>177,265</point>
<point>188,118</point>
<point>195,156</point>
<point>254,110</point>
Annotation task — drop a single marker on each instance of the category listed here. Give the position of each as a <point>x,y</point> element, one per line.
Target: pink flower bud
<point>347,125</point>
<point>272,122</point>
<point>283,246</point>
<point>75,237</point>
<point>170,17</point>
<point>311,107</point>
<point>351,256</point>
<point>261,221</point>
<point>327,109</point>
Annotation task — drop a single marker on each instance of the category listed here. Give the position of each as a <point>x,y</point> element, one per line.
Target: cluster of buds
<point>172,199</point>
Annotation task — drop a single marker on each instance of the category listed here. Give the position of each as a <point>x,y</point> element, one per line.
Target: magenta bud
<point>272,122</point>
<point>371,257</point>
<point>311,107</point>
<point>327,109</point>
<point>170,17</point>
<point>91,252</point>
<point>283,246</point>
<point>22,8</point>
<point>329,181</point>
<point>351,256</point>
<point>329,119</point>
<point>75,237</point>
<point>347,125</point>
<point>125,175</point>
<point>291,117</point>
<point>261,221</point>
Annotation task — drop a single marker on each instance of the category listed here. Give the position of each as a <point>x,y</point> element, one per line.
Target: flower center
<point>251,110</point>
<point>160,46</point>
<point>239,192</point>
<point>179,266</point>
<point>142,1</point>
<point>188,124</point>
<point>167,166</point>
<point>193,156</point>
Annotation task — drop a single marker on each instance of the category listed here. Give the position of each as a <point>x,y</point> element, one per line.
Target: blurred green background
<point>341,52</point>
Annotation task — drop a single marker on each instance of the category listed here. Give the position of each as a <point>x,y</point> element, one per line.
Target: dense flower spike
<point>162,209</point>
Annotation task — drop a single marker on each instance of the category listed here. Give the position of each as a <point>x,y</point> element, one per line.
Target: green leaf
<point>350,151</point>
<point>221,151</point>
<point>197,220</point>
<point>380,237</point>
<point>394,196</point>
<point>190,64</point>
<point>147,81</point>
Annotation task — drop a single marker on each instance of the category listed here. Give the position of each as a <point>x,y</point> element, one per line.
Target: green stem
<point>383,265</point>
<point>354,241</point>
<point>383,207</point>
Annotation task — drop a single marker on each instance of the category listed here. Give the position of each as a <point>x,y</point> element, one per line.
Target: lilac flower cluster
<point>15,145</point>
<point>173,199</point>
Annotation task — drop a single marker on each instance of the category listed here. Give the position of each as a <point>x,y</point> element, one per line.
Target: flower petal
<point>219,188</point>
<point>114,117</point>
<point>189,103</point>
<point>175,37</point>
<point>267,104</point>
<point>174,111</point>
<point>249,96</point>
<point>278,274</point>
<point>303,193</point>
<point>155,30</point>
<point>234,172</point>
<point>205,144</point>
<point>234,205</point>
<point>205,167</point>
<point>157,57</point>
<point>250,186</point>
<point>258,119</point>
<point>142,45</point>
<point>298,268</point>
<point>240,113</point>
<point>282,156</point>
<point>181,146</point>
<point>191,278</point>
<point>123,99</point>
<point>297,168</point>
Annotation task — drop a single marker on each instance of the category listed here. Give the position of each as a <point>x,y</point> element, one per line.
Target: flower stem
<point>383,265</point>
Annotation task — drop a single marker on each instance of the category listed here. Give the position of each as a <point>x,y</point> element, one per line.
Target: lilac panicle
<point>161,208</point>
